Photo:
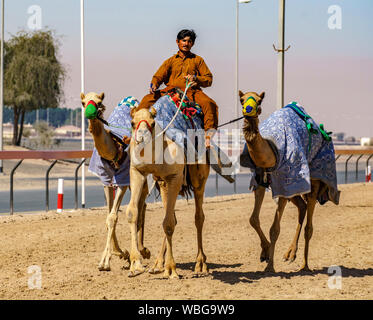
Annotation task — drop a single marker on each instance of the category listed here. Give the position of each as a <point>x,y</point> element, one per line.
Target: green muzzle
<point>90,111</point>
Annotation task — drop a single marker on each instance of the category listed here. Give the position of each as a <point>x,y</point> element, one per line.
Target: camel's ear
<point>82,96</point>
<point>240,93</point>
<point>153,112</point>
<point>101,96</point>
<point>262,95</point>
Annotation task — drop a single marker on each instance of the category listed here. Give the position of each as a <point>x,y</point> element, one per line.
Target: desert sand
<point>67,248</point>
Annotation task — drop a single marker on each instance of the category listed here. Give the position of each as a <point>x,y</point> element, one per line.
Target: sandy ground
<point>67,248</point>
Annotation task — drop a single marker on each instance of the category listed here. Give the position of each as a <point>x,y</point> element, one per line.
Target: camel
<point>168,169</point>
<point>109,148</point>
<point>263,155</point>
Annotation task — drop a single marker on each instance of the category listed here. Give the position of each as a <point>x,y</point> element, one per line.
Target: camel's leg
<point>255,223</point>
<point>169,223</point>
<point>200,172</point>
<point>311,199</point>
<point>141,223</point>
<point>132,213</point>
<point>109,196</point>
<point>274,232</point>
<point>291,254</point>
<point>159,262</point>
<point>112,246</point>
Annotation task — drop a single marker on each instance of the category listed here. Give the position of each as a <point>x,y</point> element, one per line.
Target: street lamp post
<point>237,141</point>
<point>82,90</point>
<point>236,80</point>
<point>281,55</point>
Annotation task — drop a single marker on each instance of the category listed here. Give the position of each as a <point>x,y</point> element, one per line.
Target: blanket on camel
<point>183,131</point>
<point>303,152</point>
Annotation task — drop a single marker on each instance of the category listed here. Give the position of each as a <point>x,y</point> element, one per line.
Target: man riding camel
<point>174,72</point>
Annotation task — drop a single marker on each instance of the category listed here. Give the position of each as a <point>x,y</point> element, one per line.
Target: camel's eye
<point>242,100</point>
<point>132,124</point>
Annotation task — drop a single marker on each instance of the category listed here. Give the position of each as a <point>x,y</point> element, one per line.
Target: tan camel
<point>109,149</point>
<point>264,157</point>
<point>167,167</point>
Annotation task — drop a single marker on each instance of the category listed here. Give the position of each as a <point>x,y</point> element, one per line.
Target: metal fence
<point>348,154</point>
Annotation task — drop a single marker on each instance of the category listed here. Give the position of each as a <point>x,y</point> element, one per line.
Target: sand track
<point>67,248</point>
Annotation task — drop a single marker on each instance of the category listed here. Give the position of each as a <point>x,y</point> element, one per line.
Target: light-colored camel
<point>264,157</point>
<point>167,166</point>
<point>109,150</point>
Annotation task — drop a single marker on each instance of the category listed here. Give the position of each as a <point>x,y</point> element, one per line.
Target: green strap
<point>325,134</point>
<point>311,130</point>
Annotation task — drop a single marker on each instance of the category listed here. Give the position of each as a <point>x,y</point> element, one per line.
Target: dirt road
<point>67,248</point>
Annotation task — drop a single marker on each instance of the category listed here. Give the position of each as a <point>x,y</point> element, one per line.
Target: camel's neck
<point>251,130</point>
<point>103,141</point>
<point>259,149</point>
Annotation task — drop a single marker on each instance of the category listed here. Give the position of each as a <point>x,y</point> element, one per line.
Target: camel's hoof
<point>305,269</point>
<point>135,273</point>
<point>290,255</point>
<point>145,253</point>
<point>173,275</point>
<point>201,269</point>
<point>170,273</point>
<point>154,271</point>
<point>270,269</point>
<point>103,268</point>
<point>264,255</point>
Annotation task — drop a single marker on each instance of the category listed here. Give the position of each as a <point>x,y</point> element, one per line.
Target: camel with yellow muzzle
<point>292,152</point>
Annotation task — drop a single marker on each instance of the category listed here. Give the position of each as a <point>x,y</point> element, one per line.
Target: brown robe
<point>172,73</point>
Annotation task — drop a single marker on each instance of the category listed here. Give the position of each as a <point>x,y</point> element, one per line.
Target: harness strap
<point>307,119</point>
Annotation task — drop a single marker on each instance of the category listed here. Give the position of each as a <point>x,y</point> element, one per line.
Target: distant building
<point>365,141</point>
<point>27,129</point>
<point>350,140</point>
<point>339,136</point>
<point>68,131</point>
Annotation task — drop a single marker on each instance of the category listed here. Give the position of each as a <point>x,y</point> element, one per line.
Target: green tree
<point>33,75</point>
<point>45,134</point>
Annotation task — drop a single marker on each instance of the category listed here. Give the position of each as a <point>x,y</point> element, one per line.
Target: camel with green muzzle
<point>108,147</point>
<point>265,156</point>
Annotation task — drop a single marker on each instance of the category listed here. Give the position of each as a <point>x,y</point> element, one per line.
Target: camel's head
<point>92,104</point>
<point>143,123</point>
<point>251,102</point>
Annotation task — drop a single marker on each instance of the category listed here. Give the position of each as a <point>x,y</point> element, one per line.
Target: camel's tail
<point>186,187</point>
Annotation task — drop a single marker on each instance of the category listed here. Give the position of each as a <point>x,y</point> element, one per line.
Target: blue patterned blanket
<point>298,160</point>
<point>120,125</point>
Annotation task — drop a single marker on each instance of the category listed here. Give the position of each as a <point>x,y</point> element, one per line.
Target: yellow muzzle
<point>250,107</point>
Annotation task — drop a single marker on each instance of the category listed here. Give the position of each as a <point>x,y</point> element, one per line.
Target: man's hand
<point>152,88</point>
<point>191,79</point>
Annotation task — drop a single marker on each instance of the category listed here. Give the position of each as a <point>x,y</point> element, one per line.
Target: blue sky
<point>328,71</point>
